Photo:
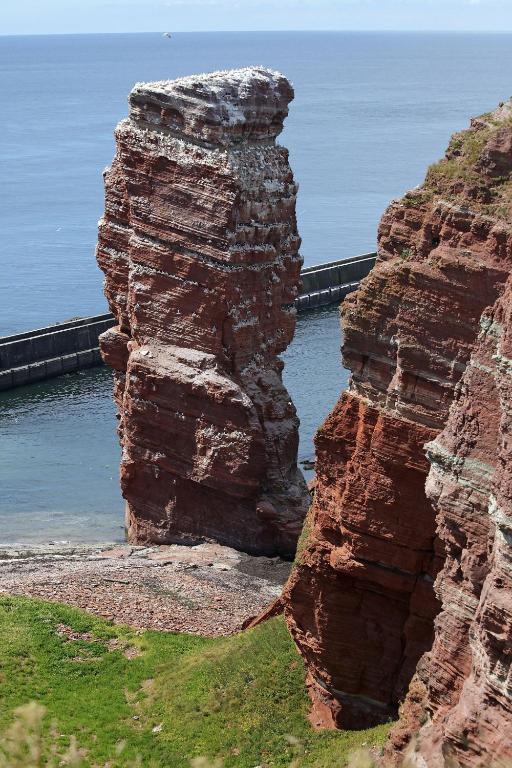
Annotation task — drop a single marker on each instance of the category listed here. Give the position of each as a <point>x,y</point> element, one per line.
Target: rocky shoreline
<point>206,589</point>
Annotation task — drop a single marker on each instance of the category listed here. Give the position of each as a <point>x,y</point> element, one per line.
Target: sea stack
<point>200,251</point>
<point>421,333</point>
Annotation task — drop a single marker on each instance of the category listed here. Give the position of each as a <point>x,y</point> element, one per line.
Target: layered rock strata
<point>361,602</point>
<point>199,247</point>
<point>466,680</point>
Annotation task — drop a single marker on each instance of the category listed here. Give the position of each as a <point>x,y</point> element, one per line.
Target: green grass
<point>460,166</point>
<point>240,699</point>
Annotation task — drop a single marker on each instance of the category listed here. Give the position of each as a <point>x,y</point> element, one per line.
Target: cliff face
<point>199,247</point>
<point>465,682</point>
<point>361,602</point>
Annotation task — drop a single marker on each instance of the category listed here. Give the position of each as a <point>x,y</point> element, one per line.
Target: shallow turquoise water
<point>59,453</point>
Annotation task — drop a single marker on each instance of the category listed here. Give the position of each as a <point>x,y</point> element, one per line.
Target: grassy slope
<point>461,174</point>
<point>241,698</point>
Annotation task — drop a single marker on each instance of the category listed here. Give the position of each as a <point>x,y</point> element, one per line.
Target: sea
<point>371,112</point>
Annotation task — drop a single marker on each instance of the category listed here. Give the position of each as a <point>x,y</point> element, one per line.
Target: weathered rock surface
<point>199,247</point>
<point>361,602</point>
<point>466,679</point>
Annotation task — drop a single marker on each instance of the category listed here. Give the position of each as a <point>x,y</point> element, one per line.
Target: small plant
<point>203,762</point>
<point>406,254</point>
<point>361,758</point>
<point>28,744</point>
<point>23,742</point>
<point>417,197</point>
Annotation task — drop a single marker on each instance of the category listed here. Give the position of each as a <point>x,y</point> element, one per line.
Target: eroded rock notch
<point>361,603</point>
<point>199,247</point>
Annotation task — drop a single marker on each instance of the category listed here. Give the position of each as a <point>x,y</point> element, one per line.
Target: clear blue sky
<point>63,16</point>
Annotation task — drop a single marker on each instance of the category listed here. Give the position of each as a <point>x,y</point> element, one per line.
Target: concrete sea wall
<point>329,283</point>
<point>71,346</point>
<point>47,352</point>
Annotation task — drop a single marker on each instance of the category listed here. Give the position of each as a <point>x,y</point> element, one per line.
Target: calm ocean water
<point>371,112</point>
<point>59,454</point>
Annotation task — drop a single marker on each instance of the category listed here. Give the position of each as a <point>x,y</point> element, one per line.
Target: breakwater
<point>71,346</point>
<point>48,352</point>
<point>329,283</point>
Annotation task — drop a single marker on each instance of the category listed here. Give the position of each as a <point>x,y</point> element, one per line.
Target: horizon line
<point>273,31</point>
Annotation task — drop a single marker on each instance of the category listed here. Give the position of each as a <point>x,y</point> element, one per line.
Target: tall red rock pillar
<point>199,247</point>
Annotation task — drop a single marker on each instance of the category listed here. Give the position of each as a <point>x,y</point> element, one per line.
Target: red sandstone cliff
<point>199,247</point>
<point>361,602</point>
<point>465,682</point>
